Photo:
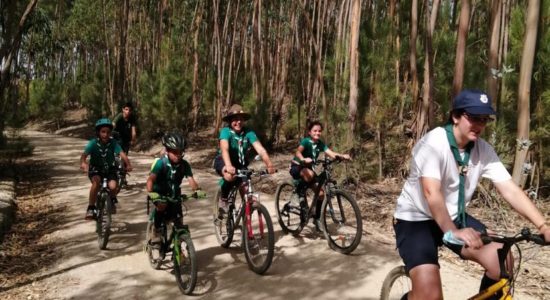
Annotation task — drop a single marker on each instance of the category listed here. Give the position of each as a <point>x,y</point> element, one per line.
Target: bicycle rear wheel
<point>103,221</point>
<point>224,228</point>
<point>290,215</point>
<point>341,219</point>
<point>396,284</point>
<point>155,252</point>
<point>185,264</point>
<point>259,239</point>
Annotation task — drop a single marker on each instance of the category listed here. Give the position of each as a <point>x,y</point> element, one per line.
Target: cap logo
<point>483,98</point>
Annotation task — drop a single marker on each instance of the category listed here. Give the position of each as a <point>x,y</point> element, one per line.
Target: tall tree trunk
<point>354,69</point>
<point>524,90</point>
<point>196,98</point>
<point>412,53</point>
<point>494,67</point>
<point>425,118</point>
<point>461,46</point>
<point>8,51</point>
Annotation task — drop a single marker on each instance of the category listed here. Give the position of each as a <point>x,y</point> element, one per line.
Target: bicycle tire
<point>104,219</point>
<point>259,245</point>
<point>224,229</point>
<point>291,217</point>
<point>185,269</point>
<point>390,288</point>
<point>154,262</point>
<point>342,232</point>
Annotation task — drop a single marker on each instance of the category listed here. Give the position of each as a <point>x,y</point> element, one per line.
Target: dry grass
<point>26,252</point>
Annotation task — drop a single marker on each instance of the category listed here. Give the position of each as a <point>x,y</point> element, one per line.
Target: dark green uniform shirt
<point>124,128</point>
<point>311,149</point>
<point>102,156</point>
<point>169,176</point>
<point>239,143</point>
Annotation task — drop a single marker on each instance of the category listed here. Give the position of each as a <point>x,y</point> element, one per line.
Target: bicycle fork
<point>248,213</point>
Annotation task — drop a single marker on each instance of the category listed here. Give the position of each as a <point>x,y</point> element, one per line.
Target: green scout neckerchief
<point>462,170</point>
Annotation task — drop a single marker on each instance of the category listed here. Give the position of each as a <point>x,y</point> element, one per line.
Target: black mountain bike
<point>104,207</point>
<point>340,218</point>
<point>176,239</point>
<point>258,238</point>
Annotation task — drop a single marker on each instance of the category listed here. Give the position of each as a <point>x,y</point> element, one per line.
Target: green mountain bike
<point>175,238</point>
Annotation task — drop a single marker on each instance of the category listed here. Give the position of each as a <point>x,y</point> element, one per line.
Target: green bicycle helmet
<point>102,123</point>
<point>174,141</point>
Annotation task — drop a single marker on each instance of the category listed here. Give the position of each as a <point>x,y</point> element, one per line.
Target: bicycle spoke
<point>259,240</point>
<point>342,222</point>
<point>185,266</point>
<point>290,216</point>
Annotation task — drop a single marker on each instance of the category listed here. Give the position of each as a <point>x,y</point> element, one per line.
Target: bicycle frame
<point>502,285</point>
<point>248,199</point>
<point>324,179</point>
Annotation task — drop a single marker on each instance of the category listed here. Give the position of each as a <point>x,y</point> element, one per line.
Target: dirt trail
<point>303,268</point>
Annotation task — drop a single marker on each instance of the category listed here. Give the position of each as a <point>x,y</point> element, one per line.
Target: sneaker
<point>90,213</point>
<point>297,200</point>
<point>223,208</point>
<point>114,201</point>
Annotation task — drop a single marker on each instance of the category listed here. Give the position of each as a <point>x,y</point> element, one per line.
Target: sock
<point>226,188</point>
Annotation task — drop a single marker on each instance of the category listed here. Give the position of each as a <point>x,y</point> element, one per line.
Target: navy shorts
<point>111,175</point>
<point>418,241</point>
<point>295,170</point>
<point>219,164</point>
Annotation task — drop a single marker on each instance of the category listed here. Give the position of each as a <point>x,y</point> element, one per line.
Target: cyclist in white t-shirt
<point>446,165</point>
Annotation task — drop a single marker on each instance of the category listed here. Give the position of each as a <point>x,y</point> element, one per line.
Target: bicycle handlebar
<point>524,235</point>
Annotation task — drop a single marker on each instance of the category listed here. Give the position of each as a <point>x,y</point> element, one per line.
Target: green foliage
<point>164,99</point>
<point>46,99</point>
<point>91,96</point>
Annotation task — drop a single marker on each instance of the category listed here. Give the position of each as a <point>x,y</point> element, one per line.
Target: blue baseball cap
<point>474,102</point>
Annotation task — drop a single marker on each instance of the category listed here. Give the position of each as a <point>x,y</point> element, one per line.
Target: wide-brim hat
<point>233,111</point>
<point>474,102</point>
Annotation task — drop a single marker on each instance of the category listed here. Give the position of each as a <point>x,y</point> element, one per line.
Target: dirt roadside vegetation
<point>28,249</point>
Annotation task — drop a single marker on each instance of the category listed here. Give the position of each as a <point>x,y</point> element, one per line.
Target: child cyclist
<point>308,151</point>
<point>102,151</point>
<point>234,142</point>
<point>163,183</point>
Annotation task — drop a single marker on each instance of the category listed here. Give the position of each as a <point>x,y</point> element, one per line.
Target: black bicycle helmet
<point>103,122</point>
<point>174,141</point>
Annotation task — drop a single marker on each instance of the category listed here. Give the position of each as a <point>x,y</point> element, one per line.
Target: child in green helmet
<point>163,183</point>
<point>102,151</point>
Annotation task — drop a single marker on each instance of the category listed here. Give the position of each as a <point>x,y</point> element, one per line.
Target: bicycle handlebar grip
<point>539,239</point>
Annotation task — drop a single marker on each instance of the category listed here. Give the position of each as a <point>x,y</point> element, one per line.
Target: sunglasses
<point>478,119</point>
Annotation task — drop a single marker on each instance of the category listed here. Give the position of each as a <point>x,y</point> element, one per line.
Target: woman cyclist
<point>446,165</point>
<point>234,142</point>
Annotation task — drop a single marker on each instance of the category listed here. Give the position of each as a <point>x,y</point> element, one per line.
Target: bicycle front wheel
<point>258,238</point>
<point>185,264</point>
<point>396,284</point>
<point>290,215</point>
<point>103,221</point>
<point>341,221</point>
<point>223,227</point>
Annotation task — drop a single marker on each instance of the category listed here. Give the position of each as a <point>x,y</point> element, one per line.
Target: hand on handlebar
<point>470,237</point>
<point>230,169</point>
<point>84,167</point>
<point>199,194</point>
<point>271,169</point>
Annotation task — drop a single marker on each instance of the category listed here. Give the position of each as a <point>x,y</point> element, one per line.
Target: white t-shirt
<point>433,158</point>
